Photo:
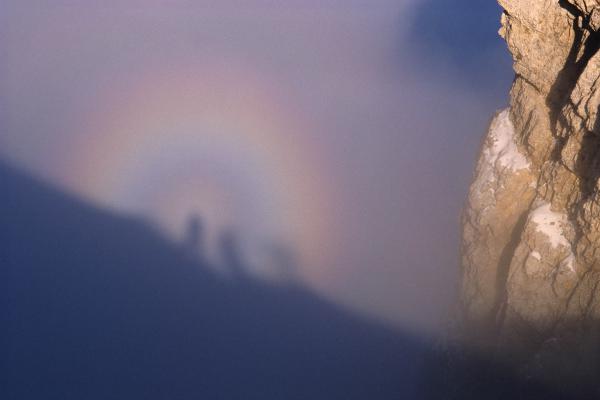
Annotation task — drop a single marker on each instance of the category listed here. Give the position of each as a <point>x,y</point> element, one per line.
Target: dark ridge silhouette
<point>99,306</point>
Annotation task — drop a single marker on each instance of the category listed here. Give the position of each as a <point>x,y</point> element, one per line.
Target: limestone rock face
<point>531,225</point>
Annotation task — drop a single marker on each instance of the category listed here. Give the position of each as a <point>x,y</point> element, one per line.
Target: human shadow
<point>193,241</point>
<point>96,305</point>
<point>231,256</point>
<point>285,263</point>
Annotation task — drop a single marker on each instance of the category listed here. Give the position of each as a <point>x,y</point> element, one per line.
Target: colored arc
<point>211,138</point>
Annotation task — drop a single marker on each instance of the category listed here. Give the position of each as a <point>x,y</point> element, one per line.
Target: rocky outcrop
<point>531,225</point>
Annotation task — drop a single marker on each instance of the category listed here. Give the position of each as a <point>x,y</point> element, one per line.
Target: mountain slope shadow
<point>98,306</point>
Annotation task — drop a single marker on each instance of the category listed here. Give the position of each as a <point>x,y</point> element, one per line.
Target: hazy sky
<point>346,130</point>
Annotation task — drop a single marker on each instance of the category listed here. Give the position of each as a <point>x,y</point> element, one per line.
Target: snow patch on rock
<point>504,149</point>
<point>551,223</point>
<point>568,262</point>
<point>500,151</point>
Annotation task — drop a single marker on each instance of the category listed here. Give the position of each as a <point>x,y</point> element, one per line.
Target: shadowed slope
<point>99,306</point>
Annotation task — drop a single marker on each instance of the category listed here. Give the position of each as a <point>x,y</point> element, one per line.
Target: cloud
<point>395,97</point>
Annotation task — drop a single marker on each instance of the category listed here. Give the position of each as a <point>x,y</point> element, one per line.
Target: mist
<point>377,110</point>
<point>243,199</point>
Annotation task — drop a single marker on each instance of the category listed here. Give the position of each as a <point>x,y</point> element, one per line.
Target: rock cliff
<point>531,225</point>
